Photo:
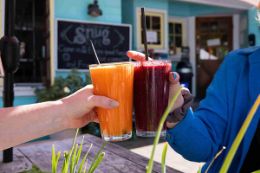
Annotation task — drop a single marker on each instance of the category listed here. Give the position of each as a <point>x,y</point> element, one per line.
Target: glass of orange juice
<point>114,80</point>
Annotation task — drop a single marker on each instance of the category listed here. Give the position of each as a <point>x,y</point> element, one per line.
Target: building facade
<point>209,30</point>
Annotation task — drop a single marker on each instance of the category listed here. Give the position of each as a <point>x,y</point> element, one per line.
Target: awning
<point>236,4</point>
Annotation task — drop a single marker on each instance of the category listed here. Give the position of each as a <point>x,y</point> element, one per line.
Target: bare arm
<point>23,123</point>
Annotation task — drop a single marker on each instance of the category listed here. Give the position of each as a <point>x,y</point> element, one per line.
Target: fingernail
<point>174,76</point>
<point>114,103</point>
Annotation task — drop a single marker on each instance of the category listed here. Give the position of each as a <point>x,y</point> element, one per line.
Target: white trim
<point>165,27</point>
<point>236,31</point>
<point>192,46</point>
<point>238,4</point>
<point>21,91</point>
<point>81,21</point>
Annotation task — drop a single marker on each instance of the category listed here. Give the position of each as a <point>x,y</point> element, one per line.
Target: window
<point>155,30</point>
<point>30,29</point>
<point>175,37</point>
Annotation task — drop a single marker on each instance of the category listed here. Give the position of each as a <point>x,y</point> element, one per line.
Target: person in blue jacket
<point>198,136</point>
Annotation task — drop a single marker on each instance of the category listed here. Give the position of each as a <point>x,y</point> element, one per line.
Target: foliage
<point>62,87</point>
<point>71,162</point>
<point>34,169</point>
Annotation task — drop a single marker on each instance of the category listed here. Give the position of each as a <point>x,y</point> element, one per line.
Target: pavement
<point>143,147</point>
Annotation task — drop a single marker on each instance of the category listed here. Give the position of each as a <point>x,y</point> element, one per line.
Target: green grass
<point>71,160</point>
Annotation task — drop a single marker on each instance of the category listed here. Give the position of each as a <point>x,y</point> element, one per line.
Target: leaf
<point>65,165</point>
<point>165,147</point>
<point>79,151</point>
<point>97,155</point>
<point>158,132</point>
<point>239,136</point>
<point>258,171</point>
<point>97,162</point>
<point>70,161</point>
<point>53,160</point>
<point>73,163</point>
<point>84,159</point>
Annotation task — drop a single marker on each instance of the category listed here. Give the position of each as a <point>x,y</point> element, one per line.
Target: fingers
<point>185,92</point>
<point>91,116</point>
<point>102,101</point>
<point>174,78</point>
<point>136,55</point>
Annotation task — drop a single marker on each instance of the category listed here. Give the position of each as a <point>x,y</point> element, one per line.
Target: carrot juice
<point>114,80</point>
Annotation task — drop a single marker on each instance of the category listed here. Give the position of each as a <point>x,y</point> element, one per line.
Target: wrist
<point>179,113</point>
<point>62,117</point>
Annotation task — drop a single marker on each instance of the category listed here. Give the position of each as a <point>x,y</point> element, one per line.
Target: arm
<point>199,135</point>
<point>24,123</point>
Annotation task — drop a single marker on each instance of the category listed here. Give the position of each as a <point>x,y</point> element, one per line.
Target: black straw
<point>94,51</point>
<point>144,34</point>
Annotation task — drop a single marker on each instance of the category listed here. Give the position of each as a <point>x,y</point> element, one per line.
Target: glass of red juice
<point>151,93</point>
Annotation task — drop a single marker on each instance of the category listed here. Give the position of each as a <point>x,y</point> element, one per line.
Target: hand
<point>79,107</point>
<point>173,78</point>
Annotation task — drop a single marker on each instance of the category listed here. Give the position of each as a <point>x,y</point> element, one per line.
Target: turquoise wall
<point>77,10</point>
<point>128,16</point>
<point>21,100</point>
<point>254,25</point>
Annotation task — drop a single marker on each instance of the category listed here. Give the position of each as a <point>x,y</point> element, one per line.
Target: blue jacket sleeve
<point>199,135</point>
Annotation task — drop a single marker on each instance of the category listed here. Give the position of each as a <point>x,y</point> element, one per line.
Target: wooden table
<point>117,158</point>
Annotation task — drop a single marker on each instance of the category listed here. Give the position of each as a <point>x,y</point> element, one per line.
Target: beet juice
<point>151,92</point>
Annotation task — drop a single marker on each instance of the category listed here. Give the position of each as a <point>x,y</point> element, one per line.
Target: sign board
<point>74,51</point>
<point>152,37</point>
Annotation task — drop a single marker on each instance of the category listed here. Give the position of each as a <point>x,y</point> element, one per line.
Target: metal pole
<point>9,55</point>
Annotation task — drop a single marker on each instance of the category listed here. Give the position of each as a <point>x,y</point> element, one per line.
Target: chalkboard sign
<point>73,48</point>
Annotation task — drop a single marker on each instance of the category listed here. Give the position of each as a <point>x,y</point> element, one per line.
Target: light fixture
<point>94,10</point>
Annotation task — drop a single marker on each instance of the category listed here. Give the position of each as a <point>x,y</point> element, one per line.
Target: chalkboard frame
<point>55,47</point>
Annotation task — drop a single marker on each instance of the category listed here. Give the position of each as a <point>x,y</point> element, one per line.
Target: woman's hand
<point>174,79</point>
<point>79,107</point>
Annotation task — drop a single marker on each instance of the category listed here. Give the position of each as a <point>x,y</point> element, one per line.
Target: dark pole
<point>9,46</point>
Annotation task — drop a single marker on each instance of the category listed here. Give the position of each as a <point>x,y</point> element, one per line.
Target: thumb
<point>102,101</point>
<point>174,78</point>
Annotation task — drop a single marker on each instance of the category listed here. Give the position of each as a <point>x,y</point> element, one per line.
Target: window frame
<point>183,22</point>
<point>156,13</point>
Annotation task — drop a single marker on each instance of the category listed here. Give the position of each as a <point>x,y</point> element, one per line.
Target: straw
<point>144,34</point>
<point>94,51</point>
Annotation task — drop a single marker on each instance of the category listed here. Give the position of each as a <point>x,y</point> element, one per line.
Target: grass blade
<point>73,159</point>
<point>79,151</point>
<point>84,160</point>
<point>239,137</point>
<point>165,148</point>
<point>65,165</point>
<point>53,159</point>
<point>258,171</point>
<point>97,155</point>
<point>158,132</point>
<point>96,162</point>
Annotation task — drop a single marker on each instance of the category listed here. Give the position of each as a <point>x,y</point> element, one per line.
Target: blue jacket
<point>201,134</point>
